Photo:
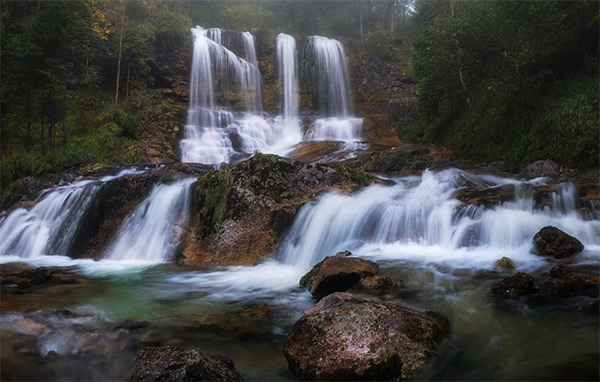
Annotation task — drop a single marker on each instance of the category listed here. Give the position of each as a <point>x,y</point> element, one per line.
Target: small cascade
<point>152,232</point>
<point>330,72</point>
<point>418,219</point>
<point>287,64</point>
<point>49,227</point>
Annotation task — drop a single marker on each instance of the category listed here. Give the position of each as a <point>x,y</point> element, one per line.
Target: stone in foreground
<point>353,338</point>
<point>337,274</point>
<point>169,363</point>
<point>550,241</point>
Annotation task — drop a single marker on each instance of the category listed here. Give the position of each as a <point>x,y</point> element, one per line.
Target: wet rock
<point>240,212</point>
<point>407,159</point>
<point>344,254</point>
<point>515,286</point>
<point>29,278</point>
<point>487,197</point>
<point>337,274</point>
<point>550,241</point>
<point>381,286</point>
<point>173,364</point>
<point>352,338</point>
<point>564,282</point>
<point>504,263</point>
<point>314,150</point>
<point>545,168</point>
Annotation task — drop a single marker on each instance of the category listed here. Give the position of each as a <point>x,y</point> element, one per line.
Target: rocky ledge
<point>242,211</point>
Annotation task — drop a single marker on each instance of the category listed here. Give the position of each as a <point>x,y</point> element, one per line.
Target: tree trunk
<point>392,15</point>
<point>127,84</point>
<point>30,113</point>
<point>460,72</point>
<point>119,62</point>
<point>42,137</point>
<point>361,26</point>
<point>50,131</point>
<point>64,121</point>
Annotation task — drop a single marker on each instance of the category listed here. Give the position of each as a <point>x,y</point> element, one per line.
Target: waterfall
<point>49,227</point>
<point>418,219</point>
<point>152,232</point>
<point>287,64</point>
<point>217,134</point>
<point>333,84</point>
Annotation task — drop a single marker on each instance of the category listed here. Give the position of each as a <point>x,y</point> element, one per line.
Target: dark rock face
<point>550,241</point>
<point>173,364</point>
<point>515,286</point>
<point>545,168</point>
<point>564,282</point>
<point>337,274</point>
<point>241,211</point>
<point>351,338</point>
<point>381,286</point>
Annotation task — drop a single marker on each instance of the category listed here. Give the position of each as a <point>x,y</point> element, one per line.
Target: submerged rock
<point>241,212</point>
<point>564,282</point>
<point>352,338</point>
<point>381,286</point>
<point>550,241</point>
<point>173,364</point>
<point>29,278</point>
<point>515,286</point>
<point>337,274</point>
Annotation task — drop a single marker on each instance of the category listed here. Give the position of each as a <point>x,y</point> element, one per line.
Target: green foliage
<point>488,80</point>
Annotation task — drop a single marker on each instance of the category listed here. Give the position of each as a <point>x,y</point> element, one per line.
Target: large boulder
<point>337,274</point>
<point>242,211</point>
<point>352,338</point>
<point>514,286</point>
<point>541,168</point>
<point>169,363</point>
<point>550,241</point>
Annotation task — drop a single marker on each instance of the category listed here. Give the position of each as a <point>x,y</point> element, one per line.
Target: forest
<point>510,81</point>
<point>299,190</point>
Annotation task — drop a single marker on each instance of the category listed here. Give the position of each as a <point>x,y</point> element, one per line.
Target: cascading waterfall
<point>152,232</point>
<point>333,84</point>
<point>287,63</point>
<point>215,134</point>
<point>49,227</point>
<point>418,220</point>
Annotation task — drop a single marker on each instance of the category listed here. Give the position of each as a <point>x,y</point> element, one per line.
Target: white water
<point>48,227</point>
<point>214,133</point>
<point>152,232</point>
<point>287,64</point>
<point>331,73</point>
<point>418,220</point>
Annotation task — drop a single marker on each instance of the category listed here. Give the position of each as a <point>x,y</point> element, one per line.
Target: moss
<point>213,194</point>
<point>356,176</point>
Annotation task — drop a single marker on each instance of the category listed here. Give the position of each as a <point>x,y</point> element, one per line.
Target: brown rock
<point>550,241</point>
<point>169,363</point>
<point>337,274</point>
<point>350,338</point>
<point>486,196</point>
<point>504,263</point>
